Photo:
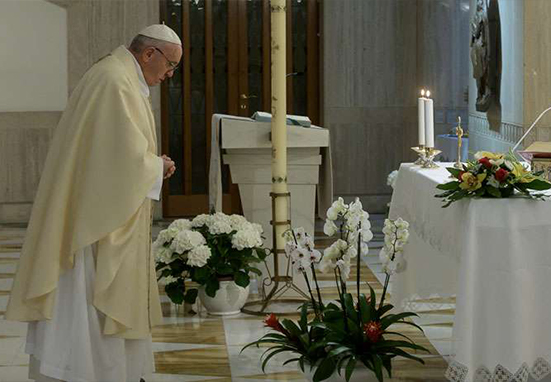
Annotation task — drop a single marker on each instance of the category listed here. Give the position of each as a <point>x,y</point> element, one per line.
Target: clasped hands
<point>168,166</point>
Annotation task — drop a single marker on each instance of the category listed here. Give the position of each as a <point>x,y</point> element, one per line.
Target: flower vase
<point>360,374</point>
<point>229,299</point>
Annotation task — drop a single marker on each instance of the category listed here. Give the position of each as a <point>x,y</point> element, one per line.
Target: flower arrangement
<point>492,175</point>
<point>391,179</point>
<point>207,249</point>
<point>355,330</point>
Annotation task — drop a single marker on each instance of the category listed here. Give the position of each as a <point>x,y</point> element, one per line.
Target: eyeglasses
<point>173,65</point>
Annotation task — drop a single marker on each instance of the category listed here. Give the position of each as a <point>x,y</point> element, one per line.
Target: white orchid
<point>391,255</point>
<point>344,267</point>
<point>330,228</point>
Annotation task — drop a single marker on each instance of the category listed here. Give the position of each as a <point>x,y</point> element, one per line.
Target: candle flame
<point>428,93</point>
<point>422,92</point>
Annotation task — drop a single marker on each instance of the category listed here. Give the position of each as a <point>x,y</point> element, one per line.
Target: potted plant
<point>352,338</point>
<point>216,251</point>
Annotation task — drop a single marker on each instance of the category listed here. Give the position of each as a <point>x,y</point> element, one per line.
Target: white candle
<point>429,121</point>
<point>421,118</point>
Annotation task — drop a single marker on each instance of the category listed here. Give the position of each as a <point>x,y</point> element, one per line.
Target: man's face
<point>159,63</point>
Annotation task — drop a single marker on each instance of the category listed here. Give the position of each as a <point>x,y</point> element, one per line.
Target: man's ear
<point>148,54</point>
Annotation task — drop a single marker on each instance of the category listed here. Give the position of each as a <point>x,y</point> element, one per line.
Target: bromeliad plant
<point>492,175</point>
<point>355,330</point>
<point>207,249</point>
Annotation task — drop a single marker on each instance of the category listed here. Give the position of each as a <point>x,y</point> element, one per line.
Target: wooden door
<point>226,69</point>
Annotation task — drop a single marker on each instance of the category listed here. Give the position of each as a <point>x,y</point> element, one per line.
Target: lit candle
<point>429,121</point>
<point>421,114</point>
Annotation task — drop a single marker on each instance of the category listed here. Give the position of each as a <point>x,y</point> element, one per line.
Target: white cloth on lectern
<point>71,346</point>
<point>324,187</point>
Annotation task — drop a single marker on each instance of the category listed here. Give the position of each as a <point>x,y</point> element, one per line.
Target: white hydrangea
<point>217,227</point>
<point>186,241</point>
<point>258,228</point>
<point>246,238</point>
<point>180,225</point>
<point>238,222</point>
<point>162,254</point>
<point>199,256</point>
<point>169,279</point>
<point>391,179</point>
<point>200,220</point>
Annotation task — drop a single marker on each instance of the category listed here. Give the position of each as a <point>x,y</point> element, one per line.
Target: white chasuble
<point>100,173</point>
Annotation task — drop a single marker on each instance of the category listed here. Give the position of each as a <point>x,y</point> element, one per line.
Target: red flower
<point>373,331</point>
<point>486,162</point>
<point>271,321</point>
<point>501,174</point>
<point>460,175</point>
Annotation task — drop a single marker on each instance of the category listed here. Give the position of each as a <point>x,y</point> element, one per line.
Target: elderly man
<point>86,279</point>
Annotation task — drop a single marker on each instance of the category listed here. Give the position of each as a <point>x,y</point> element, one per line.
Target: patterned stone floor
<point>198,347</point>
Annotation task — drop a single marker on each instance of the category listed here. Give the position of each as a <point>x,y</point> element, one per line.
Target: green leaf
<point>273,353</point>
<point>448,186</point>
<point>175,291</point>
<point>255,271</point>
<point>350,368</point>
<point>378,367</point>
<point>365,309</point>
<point>201,275</point>
<point>191,296</point>
<point>350,310</point>
<point>224,269</point>
<point>385,308</point>
<point>212,287</point>
<point>538,184</point>
<point>393,318</point>
<point>241,278</point>
<point>325,369</point>
<point>339,351</point>
<point>454,171</point>
<point>373,300</point>
<point>493,191</point>
<point>303,322</point>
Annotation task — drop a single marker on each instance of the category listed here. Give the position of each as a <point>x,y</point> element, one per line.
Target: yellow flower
<point>489,155</point>
<point>470,182</point>
<point>523,175</point>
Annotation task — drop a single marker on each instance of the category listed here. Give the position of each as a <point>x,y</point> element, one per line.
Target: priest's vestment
<point>92,212</point>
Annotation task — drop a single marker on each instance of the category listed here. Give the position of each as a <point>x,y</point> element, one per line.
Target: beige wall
<point>537,67</point>
<point>94,28</point>
<point>33,53</point>
<point>377,55</point>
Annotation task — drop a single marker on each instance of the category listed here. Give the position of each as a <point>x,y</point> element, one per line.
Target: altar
<point>494,256</point>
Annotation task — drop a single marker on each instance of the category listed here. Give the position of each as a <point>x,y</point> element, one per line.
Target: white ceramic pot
<point>229,299</point>
<point>361,374</point>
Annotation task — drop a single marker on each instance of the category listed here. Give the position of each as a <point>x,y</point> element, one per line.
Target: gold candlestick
<point>459,131</point>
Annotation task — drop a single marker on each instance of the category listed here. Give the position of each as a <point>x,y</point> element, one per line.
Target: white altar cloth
<point>495,255</point>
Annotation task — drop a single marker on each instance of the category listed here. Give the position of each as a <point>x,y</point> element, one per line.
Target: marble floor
<point>198,347</point>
